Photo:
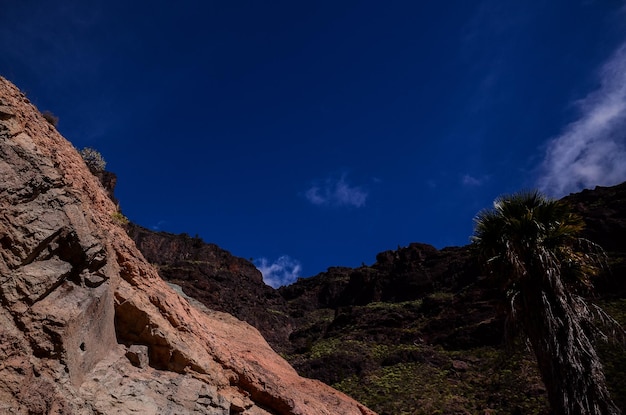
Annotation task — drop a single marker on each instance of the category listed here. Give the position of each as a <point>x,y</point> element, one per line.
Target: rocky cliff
<point>87,326</point>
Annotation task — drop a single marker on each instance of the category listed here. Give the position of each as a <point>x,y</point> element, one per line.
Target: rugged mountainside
<point>418,332</point>
<point>87,326</point>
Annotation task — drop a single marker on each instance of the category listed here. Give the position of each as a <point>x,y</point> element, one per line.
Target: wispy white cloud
<point>472,181</point>
<point>591,150</point>
<point>337,192</point>
<point>283,271</point>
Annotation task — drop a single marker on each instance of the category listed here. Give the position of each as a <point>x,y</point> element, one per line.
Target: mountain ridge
<point>419,307</point>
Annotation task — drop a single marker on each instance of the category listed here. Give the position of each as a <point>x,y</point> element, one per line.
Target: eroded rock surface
<point>86,324</point>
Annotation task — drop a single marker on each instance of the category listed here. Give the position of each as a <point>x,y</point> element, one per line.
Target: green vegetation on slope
<point>404,370</point>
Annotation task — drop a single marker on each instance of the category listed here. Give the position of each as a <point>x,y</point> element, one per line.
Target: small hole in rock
<point>82,346</point>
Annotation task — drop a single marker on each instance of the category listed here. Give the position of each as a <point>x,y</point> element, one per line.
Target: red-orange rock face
<point>86,324</point>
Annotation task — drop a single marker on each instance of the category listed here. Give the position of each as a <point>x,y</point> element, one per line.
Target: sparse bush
<point>120,219</point>
<point>93,159</point>
<point>51,118</point>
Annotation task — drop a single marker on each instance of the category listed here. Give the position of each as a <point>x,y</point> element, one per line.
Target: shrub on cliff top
<point>51,118</point>
<point>93,159</point>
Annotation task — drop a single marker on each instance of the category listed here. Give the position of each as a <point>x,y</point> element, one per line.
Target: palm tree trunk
<point>567,360</point>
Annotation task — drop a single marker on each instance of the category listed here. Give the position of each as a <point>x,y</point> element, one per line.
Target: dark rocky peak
<point>321,291</point>
<point>604,212</point>
<point>405,274</point>
<point>168,249</point>
<point>415,252</point>
<point>216,278</point>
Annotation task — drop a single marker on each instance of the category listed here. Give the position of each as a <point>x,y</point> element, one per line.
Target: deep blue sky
<point>309,134</point>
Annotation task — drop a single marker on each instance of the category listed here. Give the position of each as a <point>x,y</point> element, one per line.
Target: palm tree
<point>529,243</point>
